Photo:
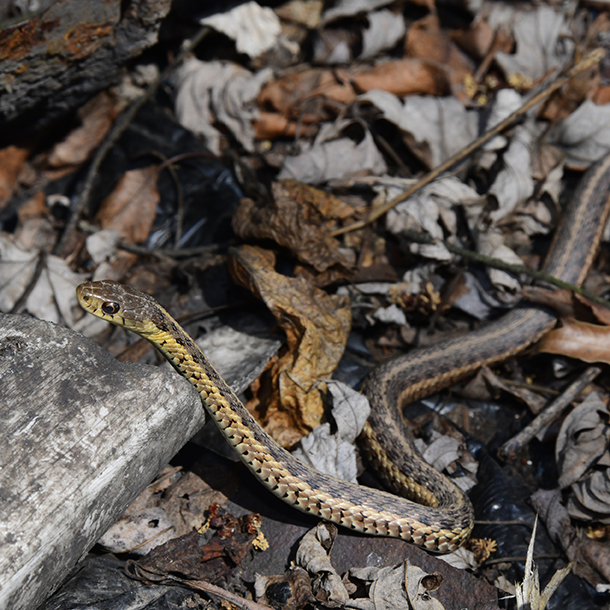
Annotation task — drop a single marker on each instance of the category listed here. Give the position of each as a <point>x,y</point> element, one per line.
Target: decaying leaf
<point>432,210</point>
<point>17,268</point>
<point>591,500</point>
<point>53,297</point>
<point>335,454</point>
<point>486,385</point>
<point>433,128</point>
<point>582,439</point>
<point>383,32</point>
<point>96,117</point>
<point>254,28</point>
<point>102,246</point>
<point>308,96</point>
<point>12,160</point>
<point>154,518</point>
<point>576,339</point>
<point>130,209</point>
<point>293,220</point>
<point>426,39</point>
<point>537,35</point>
<point>405,77</point>
<point>316,326</point>
<point>492,244</point>
<point>335,159</point>
<point>313,554</point>
<point>139,533</point>
<point>514,183</point>
<point>200,556</point>
<point>404,587</point>
<point>591,557</point>
<point>583,459</point>
<point>444,448</point>
<point>291,590</point>
<point>218,91</point>
<point>584,135</point>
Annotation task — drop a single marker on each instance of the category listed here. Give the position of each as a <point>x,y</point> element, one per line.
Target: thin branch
<point>207,587</point>
<point>496,560</point>
<point>511,448</point>
<point>497,263</point>
<point>587,62</point>
<point>158,253</point>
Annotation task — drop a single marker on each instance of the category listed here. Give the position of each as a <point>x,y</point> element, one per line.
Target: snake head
<point>118,304</point>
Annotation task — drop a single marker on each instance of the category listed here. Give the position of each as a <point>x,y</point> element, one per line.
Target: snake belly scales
<point>441,518</point>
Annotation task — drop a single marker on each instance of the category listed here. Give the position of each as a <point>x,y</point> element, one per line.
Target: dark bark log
<point>58,59</point>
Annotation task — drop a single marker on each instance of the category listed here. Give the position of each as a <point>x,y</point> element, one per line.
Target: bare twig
<point>587,62</point>
<point>207,587</point>
<point>182,253</point>
<point>496,560</point>
<point>511,448</point>
<point>497,263</point>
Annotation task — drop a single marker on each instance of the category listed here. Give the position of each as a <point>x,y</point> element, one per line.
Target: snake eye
<point>110,308</point>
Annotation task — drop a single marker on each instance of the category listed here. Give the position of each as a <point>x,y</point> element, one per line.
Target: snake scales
<point>442,517</point>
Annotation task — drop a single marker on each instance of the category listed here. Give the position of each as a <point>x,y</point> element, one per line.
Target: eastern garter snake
<point>444,518</point>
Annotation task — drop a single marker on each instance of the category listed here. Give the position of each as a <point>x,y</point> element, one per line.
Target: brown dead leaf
<point>96,117</point>
<point>568,304</point>
<point>130,209</point>
<point>562,103</point>
<point>576,339</point>
<point>560,300</point>
<point>310,96</point>
<point>426,40</point>
<point>316,326</point>
<point>601,313</point>
<point>294,220</point>
<point>406,77</point>
<point>192,557</point>
<point>12,160</point>
<point>477,40</point>
<point>329,206</point>
<point>271,125</point>
<point>601,95</point>
<point>34,207</point>
<point>486,385</point>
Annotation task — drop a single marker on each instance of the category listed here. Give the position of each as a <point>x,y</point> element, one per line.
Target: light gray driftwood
<point>80,436</point>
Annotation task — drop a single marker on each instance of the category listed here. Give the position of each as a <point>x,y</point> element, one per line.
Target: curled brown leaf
<point>316,326</point>
<point>294,219</point>
<point>581,340</point>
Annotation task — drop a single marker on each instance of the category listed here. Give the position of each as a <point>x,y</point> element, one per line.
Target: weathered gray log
<point>80,436</point>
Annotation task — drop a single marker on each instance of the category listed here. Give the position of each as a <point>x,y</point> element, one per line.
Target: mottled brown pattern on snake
<point>443,519</point>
